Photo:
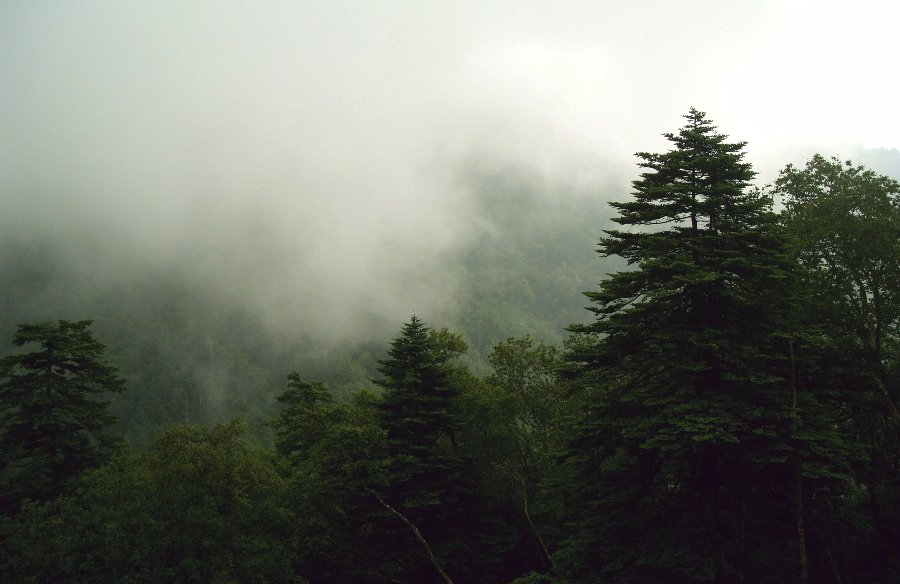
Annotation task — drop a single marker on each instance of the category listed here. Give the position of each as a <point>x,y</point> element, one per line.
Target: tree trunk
<point>416,533</point>
<point>534,530</point>
<point>798,469</point>
<point>878,378</point>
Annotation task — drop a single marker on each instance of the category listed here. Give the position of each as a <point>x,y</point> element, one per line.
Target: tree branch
<point>531,523</point>
<point>416,533</point>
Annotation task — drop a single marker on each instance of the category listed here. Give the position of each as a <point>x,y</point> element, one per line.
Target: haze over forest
<point>317,172</point>
<point>323,163</point>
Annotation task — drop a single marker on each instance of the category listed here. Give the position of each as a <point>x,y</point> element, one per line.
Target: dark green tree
<point>425,474</point>
<point>844,221</point>
<point>685,456</point>
<point>53,425</point>
<point>332,454</point>
<point>514,417</point>
<point>199,505</point>
<point>304,418</point>
<point>417,404</point>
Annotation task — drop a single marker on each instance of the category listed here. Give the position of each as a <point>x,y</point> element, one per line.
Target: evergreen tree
<point>304,418</point>
<point>417,401</point>
<point>53,425</point>
<point>685,460</point>
<point>423,470</point>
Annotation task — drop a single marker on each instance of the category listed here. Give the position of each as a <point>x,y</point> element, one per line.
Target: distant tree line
<point>728,415</point>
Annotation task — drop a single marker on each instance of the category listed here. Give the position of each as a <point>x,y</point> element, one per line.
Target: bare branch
<point>416,533</point>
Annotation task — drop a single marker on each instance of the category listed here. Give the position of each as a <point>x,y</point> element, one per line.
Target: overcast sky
<point>309,153</point>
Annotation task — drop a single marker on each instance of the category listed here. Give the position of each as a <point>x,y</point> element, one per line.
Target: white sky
<point>333,132</point>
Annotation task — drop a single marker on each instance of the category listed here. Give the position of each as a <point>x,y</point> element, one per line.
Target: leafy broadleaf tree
<point>333,453</point>
<point>53,425</point>
<point>200,505</point>
<point>525,430</point>
<point>685,456</point>
<point>844,221</point>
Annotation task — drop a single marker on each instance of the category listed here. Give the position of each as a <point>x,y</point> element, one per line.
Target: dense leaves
<point>845,225</point>
<point>198,506</point>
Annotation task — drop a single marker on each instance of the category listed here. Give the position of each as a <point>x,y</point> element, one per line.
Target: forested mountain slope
<point>192,352</point>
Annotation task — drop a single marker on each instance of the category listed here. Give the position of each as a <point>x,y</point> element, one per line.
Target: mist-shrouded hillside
<point>197,341</point>
<point>194,349</point>
<point>526,272</point>
<point>201,336</point>
<point>232,192</point>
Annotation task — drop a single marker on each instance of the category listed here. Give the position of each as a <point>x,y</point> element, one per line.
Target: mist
<point>314,161</point>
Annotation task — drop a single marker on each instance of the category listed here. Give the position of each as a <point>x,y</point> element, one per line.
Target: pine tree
<point>53,425</point>
<point>423,470</point>
<point>417,405</point>
<point>684,457</point>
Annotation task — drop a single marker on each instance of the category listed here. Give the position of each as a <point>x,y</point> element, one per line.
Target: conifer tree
<point>423,470</point>
<point>417,401</point>
<point>684,458</point>
<point>304,418</point>
<point>52,424</point>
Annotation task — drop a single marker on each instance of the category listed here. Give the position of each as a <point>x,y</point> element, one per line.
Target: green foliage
<point>845,224</point>
<point>52,424</point>
<point>193,352</point>
<point>331,453</point>
<point>728,416</point>
<point>686,442</point>
<point>535,578</point>
<point>328,477</point>
<point>517,417</point>
<point>423,467</point>
<point>305,416</point>
<point>525,272</point>
<point>528,370</point>
<point>199,506</point>
<point>845,220</point>
<point>416,408</point>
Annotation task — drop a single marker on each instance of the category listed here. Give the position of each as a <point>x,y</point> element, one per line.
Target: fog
<point>311,159</point>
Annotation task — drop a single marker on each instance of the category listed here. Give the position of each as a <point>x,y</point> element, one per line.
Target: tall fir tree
<point>685,459</point>
<point>53,425</point>
<point>417,400</point>
<point>424,470</point>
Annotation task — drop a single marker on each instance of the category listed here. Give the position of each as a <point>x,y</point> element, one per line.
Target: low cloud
<point>311,159</point>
